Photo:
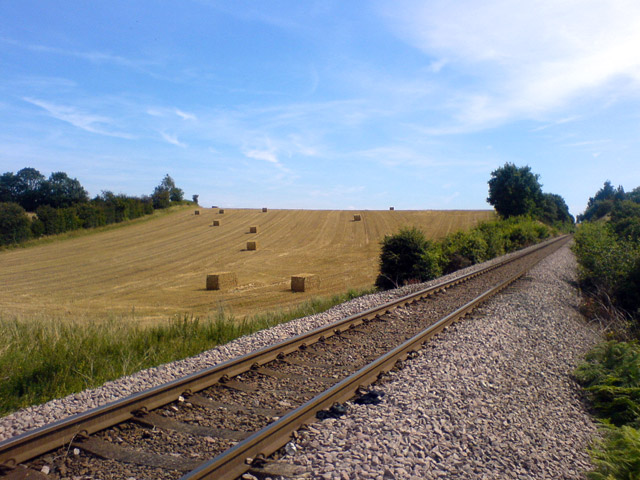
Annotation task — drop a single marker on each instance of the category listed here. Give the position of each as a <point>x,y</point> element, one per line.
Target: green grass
<point>42,359</point>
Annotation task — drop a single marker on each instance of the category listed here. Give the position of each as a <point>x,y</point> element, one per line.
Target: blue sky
<point>323,104</point>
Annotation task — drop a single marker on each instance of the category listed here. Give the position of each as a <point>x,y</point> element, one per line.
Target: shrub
<point>15,226</point>
<point>611,377</point>
<point>617,456</point>
<point>493,234</point>
<point>605,262</point>
<point>407,256</point>
<point>462,249</point>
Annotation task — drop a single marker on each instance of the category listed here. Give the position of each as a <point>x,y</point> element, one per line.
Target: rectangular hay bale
<point>264,209</point>
<point>252,245</point>
<point>357,217</point>
<point>304,282</point>
<point>253,229</point>
<point>221,281</point>
<point>216,223</point>
<point>221,210</point>
<point>197,212</point>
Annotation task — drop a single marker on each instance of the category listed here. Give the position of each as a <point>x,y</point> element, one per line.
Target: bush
<point>605,262</point>
<point>493,234</point>
<point>15,226</point>
<point>463,249</point>
<point>611,377</point>
<point>617,456</point>
<point>406,257</point>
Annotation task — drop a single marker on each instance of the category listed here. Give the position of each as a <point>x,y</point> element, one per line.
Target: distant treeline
<point>61,204</point>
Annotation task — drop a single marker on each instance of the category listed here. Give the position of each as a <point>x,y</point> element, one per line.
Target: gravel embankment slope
<point>489,398</point>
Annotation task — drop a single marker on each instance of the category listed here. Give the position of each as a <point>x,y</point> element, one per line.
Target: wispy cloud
<point>173,139</point>
<point>91,56</point>
<point>560,121</point>
<point>523,61</point>
<point>93,123</point>
<point>185,115</point>
<point>266,155</point>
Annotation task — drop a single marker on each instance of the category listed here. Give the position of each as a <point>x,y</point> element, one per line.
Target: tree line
<point>59,204</point>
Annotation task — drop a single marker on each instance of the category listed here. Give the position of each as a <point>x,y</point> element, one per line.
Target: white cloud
<point>524,59</point>
<point>185,115</point>
<point>172,139</point>
<point>91,56</point>
<point>85,121</point>
<point>266,155</point>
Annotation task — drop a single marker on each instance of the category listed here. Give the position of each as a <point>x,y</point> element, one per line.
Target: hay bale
<point>216,223</point>
<point>197,212</point>
<point>264,209</point>
<point>304,282</point>
<point>252,245</point>
<point>221,281</point>
<point>391,208</point>
<point>357,217</point>
<point>221,210</point>
<point>253,229</point>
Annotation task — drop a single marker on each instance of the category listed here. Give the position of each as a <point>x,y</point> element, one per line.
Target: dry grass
<point>154,270</point>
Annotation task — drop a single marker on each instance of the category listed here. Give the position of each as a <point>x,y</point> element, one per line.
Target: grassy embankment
<point>48,358</point>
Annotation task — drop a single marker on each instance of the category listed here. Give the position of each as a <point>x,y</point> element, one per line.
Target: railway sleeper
<point>23,473</point>
<point>109,451</point>
<point>153,420</point>
<point>269,372</point>
<point>205,402</point>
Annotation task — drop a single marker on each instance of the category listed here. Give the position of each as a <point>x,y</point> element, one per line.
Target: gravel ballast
<point>491,397</point>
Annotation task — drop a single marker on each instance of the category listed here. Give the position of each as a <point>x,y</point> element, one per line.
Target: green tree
<point>60,191</point>
<point>15,225</point>
<point>634,195</point>
<point>166,192</point>
<point>602,202</point>
<point>29,183</point>
<point>8,188</point>
<point>514,191</point>
<point>553,209</point>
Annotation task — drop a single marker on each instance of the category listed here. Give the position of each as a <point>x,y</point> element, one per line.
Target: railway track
<point>207,424</point>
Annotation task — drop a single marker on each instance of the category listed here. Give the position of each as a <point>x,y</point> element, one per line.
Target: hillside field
<point>153,270</point>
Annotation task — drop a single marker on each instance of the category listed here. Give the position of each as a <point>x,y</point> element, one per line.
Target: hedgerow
<point>408,256</point>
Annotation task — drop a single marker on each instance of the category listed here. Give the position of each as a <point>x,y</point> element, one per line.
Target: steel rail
<point>231,464</point>
<point>36,442</point>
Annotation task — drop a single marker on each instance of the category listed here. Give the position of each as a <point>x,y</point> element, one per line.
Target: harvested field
<point>151,271</point>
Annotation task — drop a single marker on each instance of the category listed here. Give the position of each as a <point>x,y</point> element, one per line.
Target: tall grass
<point>42,359</point>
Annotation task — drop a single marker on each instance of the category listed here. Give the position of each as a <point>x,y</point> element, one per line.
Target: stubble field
<point>154,270</point>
